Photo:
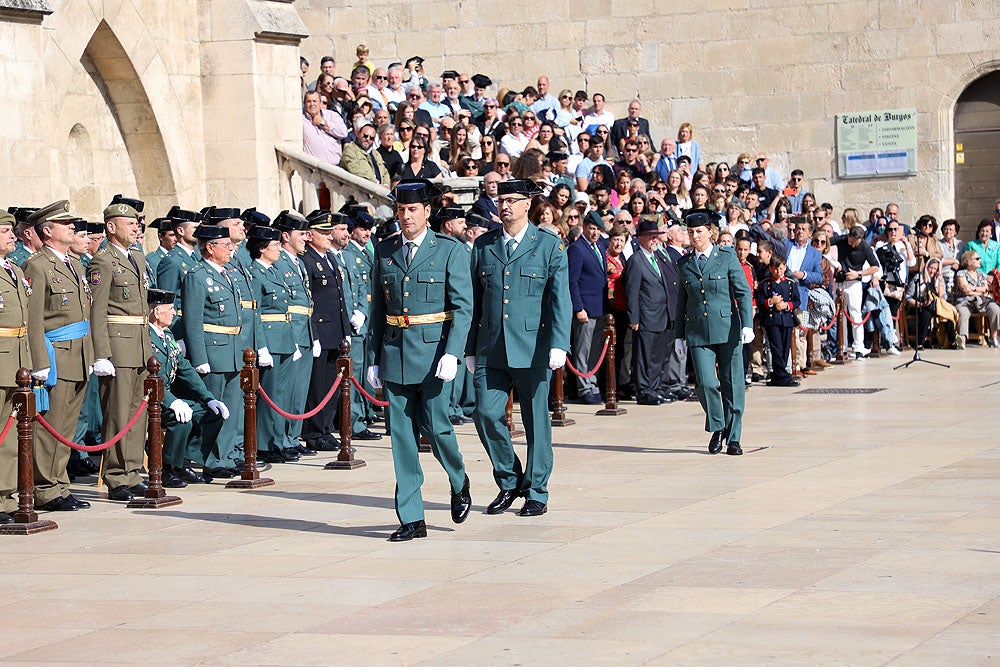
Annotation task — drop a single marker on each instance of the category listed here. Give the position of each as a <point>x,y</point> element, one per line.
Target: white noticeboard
<point>877,143</point>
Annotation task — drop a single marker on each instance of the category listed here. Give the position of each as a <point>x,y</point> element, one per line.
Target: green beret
<point>7,219</point>
<point>120,210</point>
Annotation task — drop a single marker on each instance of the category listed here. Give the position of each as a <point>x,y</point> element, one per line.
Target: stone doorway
<point>977,129</point>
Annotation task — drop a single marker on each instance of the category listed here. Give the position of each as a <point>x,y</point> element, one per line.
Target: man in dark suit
<point>588,287</point>
<point>330,321</point>
<point>486,205</point>
<point>650,309</point>
<point>619,129</point>
<point>674,379</point>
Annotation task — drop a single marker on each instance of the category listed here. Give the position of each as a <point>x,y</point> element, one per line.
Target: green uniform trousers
<point>51,456</point>
<point>414,408</point>
<point>493,386</point>
<point>223,450</point>
<point>463,393</point>
<point>186,441</point>
<point>721,396</point>
<point>360,407</point>
<point>272,428</point>
<point>8,455</point>
<point>299,371</point>
<point>121,395</point>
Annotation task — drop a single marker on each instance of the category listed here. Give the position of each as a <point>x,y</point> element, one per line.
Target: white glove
<point>447,368</point>
<point>297,354</point>
<point>42,374</point>
<point>746,335</point>
<point>264,358</point>
<point>317,350</point>
<point>218,408</point>
<point>357,320</point>
<point>103,368</point>
<point>557,358</point>
<point>183,347</point>
<point>470,363</point>
<point>373,378</point>
<point>90,370</point>
<point>182,411</point>
<point>203,369</point>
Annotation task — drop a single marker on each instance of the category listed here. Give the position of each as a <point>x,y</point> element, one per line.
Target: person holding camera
<point>857,262</point>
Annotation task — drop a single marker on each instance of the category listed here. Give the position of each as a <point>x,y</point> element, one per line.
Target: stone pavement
<point>857,530</point>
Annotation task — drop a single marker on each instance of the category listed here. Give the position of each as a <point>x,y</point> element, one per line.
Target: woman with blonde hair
<point>675,186</point>
<point>686,145</point>
<point>850,219</point>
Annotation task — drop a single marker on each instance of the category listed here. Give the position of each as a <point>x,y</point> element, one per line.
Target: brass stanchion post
<point>611,408</point>
<point>345,367</point>
<point>559,417</point>
<point>250,383</point>
<point>155,496</point>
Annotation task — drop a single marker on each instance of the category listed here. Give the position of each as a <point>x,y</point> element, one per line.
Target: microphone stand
<point>921,289</point>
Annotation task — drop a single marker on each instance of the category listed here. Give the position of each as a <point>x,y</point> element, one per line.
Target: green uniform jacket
<point>239,273</point>
<point>272,296</point>
<point>212,300</point>
<point>436,281</point>
<point>13,315</point>
<point>176,370</point>
<point>119,290</point>
<point>712,304</point>
<point>19,254</point>
<point>57,299</point>
<point>170,277</point>
<point>295,279</point>
<point>154,258</point>
<point>522,305</point>
<point>359,271</point>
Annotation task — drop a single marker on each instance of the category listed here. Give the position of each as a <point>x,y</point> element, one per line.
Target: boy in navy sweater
<point>777,300</point>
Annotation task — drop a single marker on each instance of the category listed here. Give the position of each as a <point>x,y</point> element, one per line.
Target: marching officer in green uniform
<point>172,269</point>
<point>714,316</point>
<point>300,308</point>
<point>522,313</point>
<point>420,317</point>
<point>276,342</point>
<point>61,349</point>
<point>190,421</point>
<point>13,356</point>
<point>118,281</point>
<point>450,220</point>
<point>214,319</point>
<point>358,257</point>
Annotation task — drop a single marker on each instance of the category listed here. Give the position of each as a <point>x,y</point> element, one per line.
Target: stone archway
<point>977,150</point>
<point>114,74</point>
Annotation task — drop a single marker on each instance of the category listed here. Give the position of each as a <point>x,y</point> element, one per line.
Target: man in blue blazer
<point>588,287</point>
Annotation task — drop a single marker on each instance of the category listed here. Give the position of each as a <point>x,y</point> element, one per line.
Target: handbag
<point>945,310</point>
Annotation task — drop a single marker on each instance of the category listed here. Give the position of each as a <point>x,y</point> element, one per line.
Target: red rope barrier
<point>312,413</point>
<point>375,401</point>
<point>104,445</point>
<point>6,429</point>
<point>863,319</point>
<point>597,366</point>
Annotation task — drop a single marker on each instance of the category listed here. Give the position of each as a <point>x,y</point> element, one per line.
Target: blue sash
<point>68,332</point>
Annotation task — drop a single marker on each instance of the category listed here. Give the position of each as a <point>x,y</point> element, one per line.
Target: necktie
<point>10,271</point>
<point>511,245</point>
<point>701,261</point>
<point>656,268</point>
<point>598,253</point>
<point>411,250</point>
<point>69,265</point>
<point>378,172</point>
<point>135,266</point>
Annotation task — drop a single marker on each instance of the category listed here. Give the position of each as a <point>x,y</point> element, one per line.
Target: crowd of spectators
<point>391,123</point>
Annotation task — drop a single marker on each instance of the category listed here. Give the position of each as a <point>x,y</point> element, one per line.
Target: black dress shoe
<point>290,455</point>
<point>467,420</point>
<point>503,501</point>
<point>408,531</point>
<point>270,456</point>
<point>649,400</point>
<point>221,473</point>
<point>308,449</point>
<point>139,489</point>
<point>591,399</point>
<point>783,383</point>
<point>327,443</point>
<point>734,449</point>
<point>89,465</point>
<point>61,504</point>
<point>120,493</point>
<point>533,508</point>
<point>667,398</point>
<point>715,444</point>
<point>366,435</point>
<point>461,503</point>
<point>170,480</point>
<point>80,504</point>
<point>6,518</point>
<point>455,420</point>
<point>188,474</point>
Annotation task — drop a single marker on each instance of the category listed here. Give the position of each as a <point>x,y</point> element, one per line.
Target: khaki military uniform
<point>120,334</point>
<point>59,297</point>
<point>13,356</point>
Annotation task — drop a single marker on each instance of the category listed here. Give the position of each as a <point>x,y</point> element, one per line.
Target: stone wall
<point>748,74</point>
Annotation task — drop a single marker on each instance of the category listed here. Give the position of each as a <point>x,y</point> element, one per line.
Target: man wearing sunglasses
<point>361,160</point>
<point>619,129</point>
